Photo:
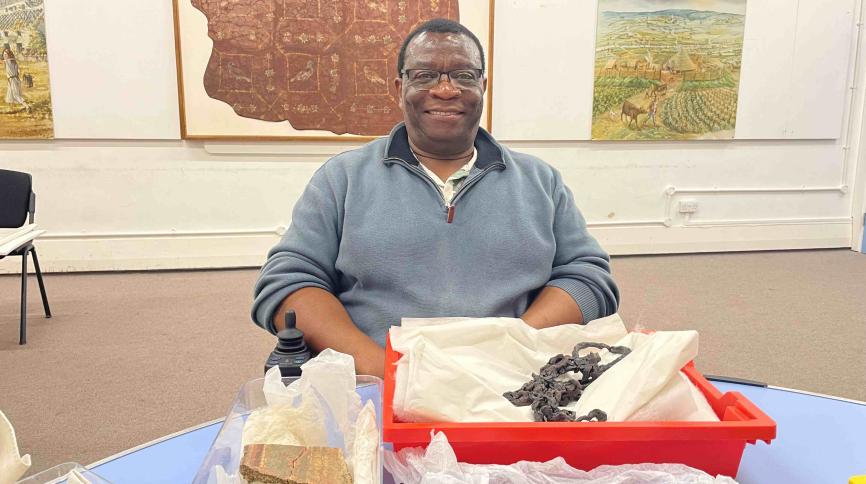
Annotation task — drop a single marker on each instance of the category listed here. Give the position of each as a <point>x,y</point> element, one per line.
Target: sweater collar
<point>489,151</point>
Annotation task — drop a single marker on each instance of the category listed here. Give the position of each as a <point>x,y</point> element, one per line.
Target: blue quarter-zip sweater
<point>373,229</point>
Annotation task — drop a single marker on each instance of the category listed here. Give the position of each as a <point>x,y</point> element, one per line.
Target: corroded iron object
<point>549,390</point>
<point>320,64</point>
<point>293,464</point>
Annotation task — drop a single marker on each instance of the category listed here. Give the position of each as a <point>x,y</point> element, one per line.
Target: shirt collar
<point>487,150</point>
<point>461,173</point>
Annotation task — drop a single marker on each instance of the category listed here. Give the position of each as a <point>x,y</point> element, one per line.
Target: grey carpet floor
<point>130,357</point>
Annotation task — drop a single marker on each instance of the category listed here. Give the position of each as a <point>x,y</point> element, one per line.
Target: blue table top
<point>819,440</point>
<point>174,460</point>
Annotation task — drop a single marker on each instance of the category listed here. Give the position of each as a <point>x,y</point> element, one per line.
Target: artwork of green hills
<point>667,74</point>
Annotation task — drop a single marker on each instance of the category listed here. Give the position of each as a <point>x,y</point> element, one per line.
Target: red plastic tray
<point>714,447</point>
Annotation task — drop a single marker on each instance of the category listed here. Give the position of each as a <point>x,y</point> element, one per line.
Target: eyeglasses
<point>426,79</point>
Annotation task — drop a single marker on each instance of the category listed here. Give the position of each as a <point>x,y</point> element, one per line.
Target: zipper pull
<point>450,213</point>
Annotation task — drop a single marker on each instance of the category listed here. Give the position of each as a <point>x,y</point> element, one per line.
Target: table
<point>820,439</point>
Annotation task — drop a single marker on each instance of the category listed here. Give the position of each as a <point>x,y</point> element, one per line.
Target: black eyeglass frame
<point>455,83</point>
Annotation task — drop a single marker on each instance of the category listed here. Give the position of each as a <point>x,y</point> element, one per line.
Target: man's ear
<point>398,85</point>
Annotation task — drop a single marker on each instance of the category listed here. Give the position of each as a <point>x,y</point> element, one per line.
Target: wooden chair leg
<point>22,338</point>
<point>41,284</point>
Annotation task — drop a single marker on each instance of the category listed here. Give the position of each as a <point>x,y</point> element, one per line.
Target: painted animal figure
<point>304,74</point>
<point>632,112</point>
<point>374,78</point>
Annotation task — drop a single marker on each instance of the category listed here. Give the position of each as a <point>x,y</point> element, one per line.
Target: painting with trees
<point>25,97</point>
<point>667,69</point>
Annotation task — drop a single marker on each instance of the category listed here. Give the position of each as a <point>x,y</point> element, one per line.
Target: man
<point>651,112</point>
<point>13,91</point>
<point>437,219</point>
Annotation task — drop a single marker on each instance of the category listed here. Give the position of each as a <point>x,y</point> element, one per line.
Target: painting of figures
<point>25,97</point>
<point>667,69</point>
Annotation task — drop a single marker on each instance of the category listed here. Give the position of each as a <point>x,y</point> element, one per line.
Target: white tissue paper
<point>12,464</point>
<point>456,370</point>
<point>638,380</point>
<point>319,409</point>
<point>438,465</point>
<point>365,454</point>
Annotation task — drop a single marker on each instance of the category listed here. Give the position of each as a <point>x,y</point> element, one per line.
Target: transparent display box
<point>58,474</point>
<point>226,450</point>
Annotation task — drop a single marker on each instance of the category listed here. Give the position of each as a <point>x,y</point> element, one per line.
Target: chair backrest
<point>17,200</point>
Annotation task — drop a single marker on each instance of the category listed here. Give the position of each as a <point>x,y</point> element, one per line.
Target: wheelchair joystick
<point>291,351</point>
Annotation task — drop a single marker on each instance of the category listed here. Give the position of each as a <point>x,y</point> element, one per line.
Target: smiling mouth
<point>444,114</point>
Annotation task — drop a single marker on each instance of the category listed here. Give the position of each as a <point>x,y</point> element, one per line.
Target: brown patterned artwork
<point>320,64</point>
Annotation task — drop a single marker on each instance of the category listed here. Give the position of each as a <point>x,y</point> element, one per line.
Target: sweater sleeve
<point>307,253</point>
<point>580,266</point>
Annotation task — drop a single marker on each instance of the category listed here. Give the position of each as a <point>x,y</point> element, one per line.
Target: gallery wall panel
<point>112,69</point>
<point>768,63</point>
<point>542,69</point>
<point>796,58</point>
<point>817,92</point>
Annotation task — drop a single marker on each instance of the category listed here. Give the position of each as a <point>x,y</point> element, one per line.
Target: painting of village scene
<point>25,98</point>
<point>667,69</point>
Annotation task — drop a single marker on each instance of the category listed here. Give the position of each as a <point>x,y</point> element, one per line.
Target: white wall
<point>169,204</point>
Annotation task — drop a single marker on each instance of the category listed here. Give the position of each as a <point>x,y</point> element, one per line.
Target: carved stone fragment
<point>293,464</point>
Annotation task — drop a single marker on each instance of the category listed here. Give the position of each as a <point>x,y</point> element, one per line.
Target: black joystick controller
<point>291,351</point>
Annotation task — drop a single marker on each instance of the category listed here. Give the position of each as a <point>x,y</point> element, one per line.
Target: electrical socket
<point>688,206</point>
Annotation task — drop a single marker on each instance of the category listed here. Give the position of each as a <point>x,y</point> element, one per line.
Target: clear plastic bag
<point>438,465</point>
<point>333,413</point>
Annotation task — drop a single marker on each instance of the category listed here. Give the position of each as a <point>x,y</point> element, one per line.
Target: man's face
<point>444,119</point>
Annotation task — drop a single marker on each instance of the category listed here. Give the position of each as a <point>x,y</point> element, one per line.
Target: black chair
<point>18,207</point>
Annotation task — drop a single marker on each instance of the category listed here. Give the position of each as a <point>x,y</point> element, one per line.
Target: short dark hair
<point>439,26</point>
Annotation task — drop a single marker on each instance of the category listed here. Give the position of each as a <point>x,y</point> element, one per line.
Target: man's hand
<point>552,307</point>
<point>326,324</point>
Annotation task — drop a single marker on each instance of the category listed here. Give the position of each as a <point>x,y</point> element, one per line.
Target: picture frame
<point>316,74</point>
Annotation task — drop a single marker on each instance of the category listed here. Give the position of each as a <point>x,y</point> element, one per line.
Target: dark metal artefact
<point>548,390</point>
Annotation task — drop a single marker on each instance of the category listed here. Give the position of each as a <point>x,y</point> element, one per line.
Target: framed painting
<point>25,94</point>
<point>667,69</point>
<point>302,69</point>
